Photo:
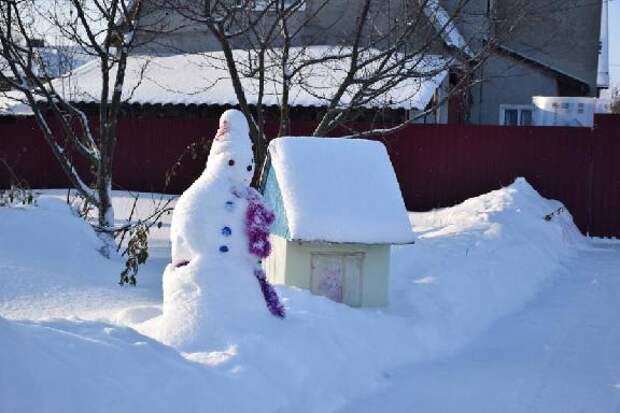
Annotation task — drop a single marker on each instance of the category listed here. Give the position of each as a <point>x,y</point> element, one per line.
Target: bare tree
<point>102,28</point>
<point>376,47</point>
<point>271,33</point>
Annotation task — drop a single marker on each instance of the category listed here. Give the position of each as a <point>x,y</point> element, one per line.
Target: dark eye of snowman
<point>231,162</point>
<point>249,168</point>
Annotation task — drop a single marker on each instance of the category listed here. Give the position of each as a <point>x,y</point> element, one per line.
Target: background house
<point>155,83</point>
<point>550,50</point>
<point>49,61</point>
<point>540,48</point>
<point>322,24</point>
<point>335,218</point>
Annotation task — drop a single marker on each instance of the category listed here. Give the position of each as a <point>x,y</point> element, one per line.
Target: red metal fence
<point>437,165</point>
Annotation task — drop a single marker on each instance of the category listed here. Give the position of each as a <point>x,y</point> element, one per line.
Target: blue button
<point>226,231</point>
<point>223,248</point>
<point>229,205</point>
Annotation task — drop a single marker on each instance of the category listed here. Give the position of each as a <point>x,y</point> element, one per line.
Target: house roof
<point>444,24</point>
<point>52,61</point>
<point>602,77</point>
<point>12,103</point>
<point>203,78</point>
<point>335,190</point>
<point>581,83</point>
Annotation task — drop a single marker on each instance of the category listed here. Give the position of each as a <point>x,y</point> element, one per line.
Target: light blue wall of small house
<point>273,198</point>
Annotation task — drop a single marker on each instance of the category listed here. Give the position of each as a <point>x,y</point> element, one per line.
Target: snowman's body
<point>209,288</point>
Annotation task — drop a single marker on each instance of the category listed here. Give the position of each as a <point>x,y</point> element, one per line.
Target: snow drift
<point>472,265</point>
<point>479,261</point>
<point>50,266</point>
<point>80,366</point>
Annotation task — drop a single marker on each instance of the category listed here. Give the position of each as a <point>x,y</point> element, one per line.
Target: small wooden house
<point>338,210</point>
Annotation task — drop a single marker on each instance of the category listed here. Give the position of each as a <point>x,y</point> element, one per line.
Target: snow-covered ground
<point>561,353</point>
<point>493,309</point>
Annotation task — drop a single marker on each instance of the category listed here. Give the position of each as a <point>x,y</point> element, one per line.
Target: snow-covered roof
<point>13,103</point>
<point>203,78</point>
<point>444,24</point>
<point>335,190</point>
<point>602,78</point>
<point>52,61</point>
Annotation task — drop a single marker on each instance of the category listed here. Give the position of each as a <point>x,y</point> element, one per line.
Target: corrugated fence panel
<point>437,165</point>
<point>605,196</point>
<point>23,148</point>
<point>149,149</point>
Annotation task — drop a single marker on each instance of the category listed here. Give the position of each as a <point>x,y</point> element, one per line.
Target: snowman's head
<point>231,155</point>
<point>234,121</point>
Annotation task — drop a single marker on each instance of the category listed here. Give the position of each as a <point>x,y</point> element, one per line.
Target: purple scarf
<point>258,223</point>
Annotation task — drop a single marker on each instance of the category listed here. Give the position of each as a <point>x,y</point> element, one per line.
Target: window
<point>526,117</point>
<point>516,115</point>
<point>581,108</point>
<point>511,117</point>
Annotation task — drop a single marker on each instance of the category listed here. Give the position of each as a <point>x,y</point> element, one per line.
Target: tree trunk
<point>105,217</point>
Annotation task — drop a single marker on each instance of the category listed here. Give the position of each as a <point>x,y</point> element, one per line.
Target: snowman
<point>214,287</point>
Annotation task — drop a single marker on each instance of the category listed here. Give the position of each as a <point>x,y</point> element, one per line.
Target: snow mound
<point>479,261</point>
<point>321,355</point>
<point>49,227</point>
<point>50,266</point>
<point>473,265</point>
<point>79,366</point>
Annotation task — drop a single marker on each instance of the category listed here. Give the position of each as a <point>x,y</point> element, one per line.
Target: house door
<point>338,277</point>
